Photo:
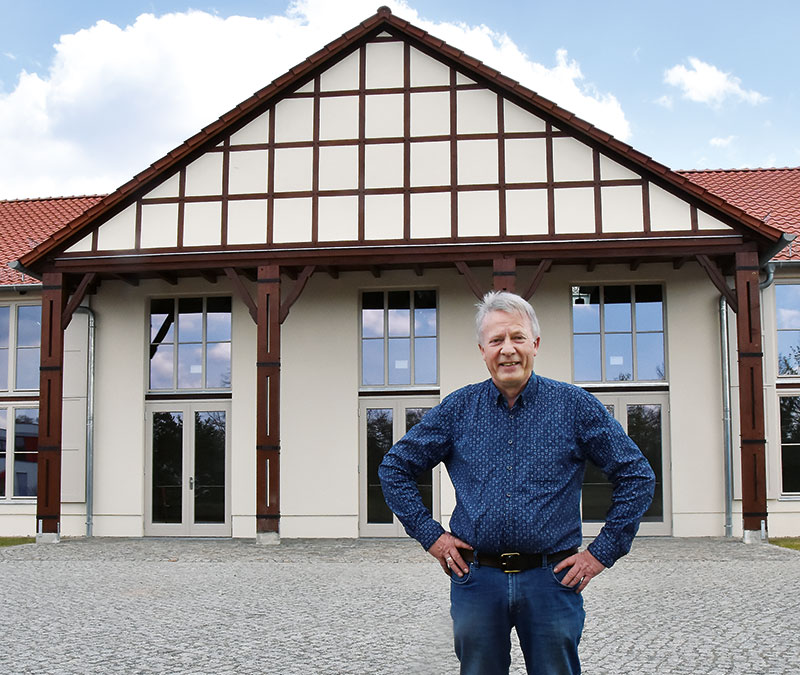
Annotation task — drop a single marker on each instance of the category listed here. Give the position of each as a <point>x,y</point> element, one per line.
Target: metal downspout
<point>89,422</point>
<point>726,414</point>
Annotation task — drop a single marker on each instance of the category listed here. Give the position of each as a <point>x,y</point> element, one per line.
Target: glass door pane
<point>209,467</point>
<point>425,479</point>
<point>380,438</point>
<point>645,428</point>
<point>167,469</point>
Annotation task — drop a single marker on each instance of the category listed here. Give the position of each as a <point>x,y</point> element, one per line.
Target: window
<point>787,313</point>
<point>18,460</point>
<point>190,343</point>
<point>399,339</point>
<point>790,444</point>
<point>20,336</point>
<point>618,333</point>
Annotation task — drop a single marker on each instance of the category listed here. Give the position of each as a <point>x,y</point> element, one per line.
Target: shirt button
<point>508,494</point>
<point>511,441</point>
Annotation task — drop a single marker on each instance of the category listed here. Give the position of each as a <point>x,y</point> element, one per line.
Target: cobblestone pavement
<point>693,606</point>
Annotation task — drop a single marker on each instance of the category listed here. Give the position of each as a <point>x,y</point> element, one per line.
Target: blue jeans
<point>486,603</point>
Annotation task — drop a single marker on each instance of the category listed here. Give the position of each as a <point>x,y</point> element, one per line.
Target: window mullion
<point>634,359</point>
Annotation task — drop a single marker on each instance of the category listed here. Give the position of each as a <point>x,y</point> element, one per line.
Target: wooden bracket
<point>473,283</point>
<point>77,298</point>
<point>718,280</point>
<point>242,292</point>
<point>541,270</point>
<point>302,280</point>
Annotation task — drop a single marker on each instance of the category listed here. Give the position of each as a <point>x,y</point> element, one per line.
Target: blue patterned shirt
<point>518,473</point>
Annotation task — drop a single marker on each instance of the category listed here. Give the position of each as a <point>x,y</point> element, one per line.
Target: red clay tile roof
<point>25,223</point>
<point>385,20</point>
<point>771,195</point>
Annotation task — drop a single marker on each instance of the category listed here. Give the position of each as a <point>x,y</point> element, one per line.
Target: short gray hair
<point>503,301</point>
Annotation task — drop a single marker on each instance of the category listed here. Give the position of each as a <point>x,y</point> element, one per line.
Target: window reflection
<point>5,314</point>
<point>790,444</point>
<point>398,338</point>
<point>29,335</point>
<point>618,333</point>
<point>3,451</point>
<point>167,467</point>
<point>190,343</point>
<point>26,444</point>
<point>787,313</point>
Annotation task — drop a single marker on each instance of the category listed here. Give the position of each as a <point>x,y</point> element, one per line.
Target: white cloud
<point>704,83</point>
<point>9,55</point>
<point>722,142</point>
<point>115,99</point>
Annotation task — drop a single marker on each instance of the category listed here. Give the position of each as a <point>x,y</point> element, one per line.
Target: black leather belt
<point>514,562</point>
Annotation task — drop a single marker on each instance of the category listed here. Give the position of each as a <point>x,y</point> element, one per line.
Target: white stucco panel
<point>611,170</point>
<point>383,115</point>
<point>430,215</point>
<point>572,160</point>
<point>526,160</point>
<point>342,76</point>
<point>169,188</point>
<point>477,162</point>
<point>248,172</point>
<point>293,169</point>
<point>463,79</point>
<point>384,65</point>
<point>427,71</point>
<point>338,167</point>
<point>256,131</point>
<point>430,113</point>
<point>338,218</point>
<point>667,212</point>
<point>202,224</point>
<point>478,214</point>
<point>383,217</point>
<point>204,175</point>
<point>383,165</point>
<point>159,225</point>
<point>526,212</point>
<point>247,222</point>
<point>118,232</point>
<point>291,220</point>
<point>294,120</point>
<point>338,117</point>
<point>81,246</point>
<point>622,209</point>
<point>430,163</point>
<point>517,119</point>
<point>574,210</point>
<point>476,111</point>
<point>706,222</point>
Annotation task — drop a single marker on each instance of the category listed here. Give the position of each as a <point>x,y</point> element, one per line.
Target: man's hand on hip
<point>445,550</point>
<point>583,568</point>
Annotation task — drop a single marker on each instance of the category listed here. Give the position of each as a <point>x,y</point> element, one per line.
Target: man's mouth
<point>508,364</point>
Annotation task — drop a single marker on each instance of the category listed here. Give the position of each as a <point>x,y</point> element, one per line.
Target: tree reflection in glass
<point>167,467</point>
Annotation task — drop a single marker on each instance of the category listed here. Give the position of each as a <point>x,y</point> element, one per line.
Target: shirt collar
<point>526,396</point>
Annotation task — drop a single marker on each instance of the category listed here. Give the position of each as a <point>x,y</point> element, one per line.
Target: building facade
<point>231,340</point>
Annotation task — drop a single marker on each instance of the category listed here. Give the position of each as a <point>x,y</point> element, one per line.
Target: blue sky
<point>86,105</point>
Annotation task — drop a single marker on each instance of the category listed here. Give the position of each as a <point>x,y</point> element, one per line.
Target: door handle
<point>191,482</point>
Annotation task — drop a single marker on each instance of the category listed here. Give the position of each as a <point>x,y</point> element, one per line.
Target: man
<point>515,447</point>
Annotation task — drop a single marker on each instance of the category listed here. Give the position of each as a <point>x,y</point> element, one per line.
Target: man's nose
<point>508,345</point>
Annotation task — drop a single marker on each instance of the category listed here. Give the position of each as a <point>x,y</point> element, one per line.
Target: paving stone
<point>673,606</point>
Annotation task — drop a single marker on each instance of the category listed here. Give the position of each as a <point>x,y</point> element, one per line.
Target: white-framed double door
<point>383,421</point>
<point>187,469</point>
<point>645,418</point>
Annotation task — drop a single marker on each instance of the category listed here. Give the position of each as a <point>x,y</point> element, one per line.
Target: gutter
<point>17,266</point>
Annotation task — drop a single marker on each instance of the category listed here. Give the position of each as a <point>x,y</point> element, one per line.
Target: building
<point>247,324</point>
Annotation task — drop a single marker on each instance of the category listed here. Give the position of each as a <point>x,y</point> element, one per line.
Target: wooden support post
<point>504,274</point>
<point>51,388</point>
<point>751,393</point>
<point>268,368</point>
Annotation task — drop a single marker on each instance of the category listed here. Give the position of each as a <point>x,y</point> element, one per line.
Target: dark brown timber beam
<point>77,298</point>
<point>242,292</point>
<point>300,284</point>
<point>718,280</point>
<point>541,270</point>
<point>472,282</point>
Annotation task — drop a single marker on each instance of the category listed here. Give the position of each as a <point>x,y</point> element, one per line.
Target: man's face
<point>508,349</point>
